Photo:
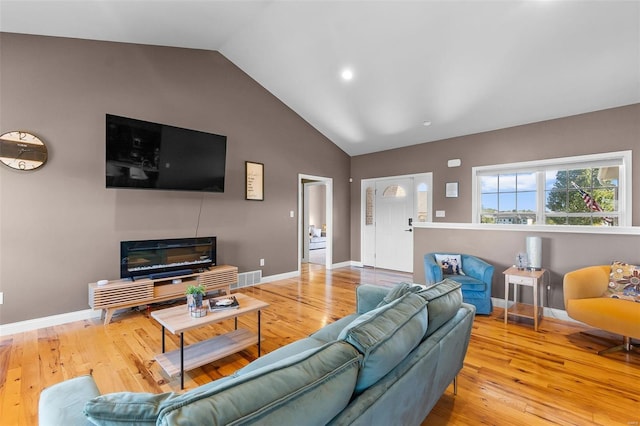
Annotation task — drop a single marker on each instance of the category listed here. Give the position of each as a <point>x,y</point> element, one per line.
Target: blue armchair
<point>476,281</point>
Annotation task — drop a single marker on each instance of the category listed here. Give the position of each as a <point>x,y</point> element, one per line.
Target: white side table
<point>527,278</point>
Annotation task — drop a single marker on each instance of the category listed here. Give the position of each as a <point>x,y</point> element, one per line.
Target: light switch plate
<point>439,213</point>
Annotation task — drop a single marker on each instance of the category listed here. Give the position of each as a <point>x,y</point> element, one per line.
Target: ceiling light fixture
<point>347,74</point>
<point>426,124</point>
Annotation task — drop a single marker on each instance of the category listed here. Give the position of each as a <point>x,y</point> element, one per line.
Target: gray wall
<point>615,129</point>
<point>60,228</point>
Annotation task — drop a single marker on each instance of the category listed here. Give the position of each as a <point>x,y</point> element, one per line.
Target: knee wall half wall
<point>561,251</point>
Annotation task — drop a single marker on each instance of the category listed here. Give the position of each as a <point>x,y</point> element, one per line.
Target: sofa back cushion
<point>315,385</point>
<point>445,298</point>
<point>386,335</point>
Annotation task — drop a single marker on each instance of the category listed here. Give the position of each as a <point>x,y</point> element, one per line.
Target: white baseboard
<point>345,264</point>
<point>284,276</point>
<point>36,323</point>
<point>546,312</point>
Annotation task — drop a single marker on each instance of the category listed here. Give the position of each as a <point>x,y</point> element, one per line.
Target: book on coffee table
<point>223,303</point>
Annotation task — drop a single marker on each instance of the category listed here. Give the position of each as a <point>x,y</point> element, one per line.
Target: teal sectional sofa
<point>388,363</point>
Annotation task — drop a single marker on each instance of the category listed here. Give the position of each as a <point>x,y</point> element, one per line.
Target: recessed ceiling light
<point>426,124</point>
<point>347,74</point>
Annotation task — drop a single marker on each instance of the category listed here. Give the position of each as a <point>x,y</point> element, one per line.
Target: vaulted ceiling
<point>462,66</point>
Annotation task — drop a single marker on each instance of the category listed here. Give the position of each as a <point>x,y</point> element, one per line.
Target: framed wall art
<point>451,190</point>
<point>254,187</point>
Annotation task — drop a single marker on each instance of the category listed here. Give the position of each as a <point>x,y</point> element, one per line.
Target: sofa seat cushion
<point>615,315</point>
<point>315,384</point>
<point>445,298</point>
<point>468,283</point>
<point>386,335</point>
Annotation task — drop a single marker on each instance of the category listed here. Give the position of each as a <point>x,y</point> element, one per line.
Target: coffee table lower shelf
<point>206,351</point>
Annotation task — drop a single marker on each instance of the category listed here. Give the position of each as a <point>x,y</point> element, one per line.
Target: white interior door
<point>393,231</point>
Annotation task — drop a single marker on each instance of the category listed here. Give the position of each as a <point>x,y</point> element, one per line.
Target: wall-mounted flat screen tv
<point>145,155</point>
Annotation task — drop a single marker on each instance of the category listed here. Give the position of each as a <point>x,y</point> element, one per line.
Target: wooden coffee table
<point>178,320</point>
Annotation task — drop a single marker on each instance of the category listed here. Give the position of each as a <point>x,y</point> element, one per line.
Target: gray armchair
<point>476,281</point>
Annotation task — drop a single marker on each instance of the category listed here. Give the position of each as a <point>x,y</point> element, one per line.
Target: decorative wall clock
<point>21,150</point>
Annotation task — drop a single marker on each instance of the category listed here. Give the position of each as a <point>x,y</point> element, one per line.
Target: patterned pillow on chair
<point>451,264</point>
<point>624,282</point>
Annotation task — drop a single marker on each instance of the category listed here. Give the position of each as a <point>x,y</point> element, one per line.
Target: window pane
<point>507,182</point>
<point>489,203</point>
<point>526,181</point>
<point>608,176</point>
<point>556,200</point>
<point>526,201</point>
<point>556,220</point>
<point>394,191</point>
<point>488,184</point>
<point>606,198</point>
<point>507,202</point>
<point>576,203</point>
<point>580,177</point>
<point>555,179</point>
<point>579,221</point>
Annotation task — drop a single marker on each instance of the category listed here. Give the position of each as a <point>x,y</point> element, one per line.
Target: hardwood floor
<point>511,376</point>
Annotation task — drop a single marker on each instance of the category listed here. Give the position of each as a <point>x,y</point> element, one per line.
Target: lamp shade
<point>534,253</point>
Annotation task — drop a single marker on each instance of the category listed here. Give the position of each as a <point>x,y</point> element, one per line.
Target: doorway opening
<point>315,220</point>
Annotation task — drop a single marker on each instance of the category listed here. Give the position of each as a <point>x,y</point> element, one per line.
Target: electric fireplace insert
<point>157,259</point>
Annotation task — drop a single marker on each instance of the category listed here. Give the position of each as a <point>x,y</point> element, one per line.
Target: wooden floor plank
<point>511,376</point>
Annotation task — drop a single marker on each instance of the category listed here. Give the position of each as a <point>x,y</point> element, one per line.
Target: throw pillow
<point>451,264</point>
<point>624,282</point>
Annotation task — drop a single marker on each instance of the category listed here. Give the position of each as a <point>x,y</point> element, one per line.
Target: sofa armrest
<point>62,403</point>
<point>432,271</point>
<point>591,281</point>
<point>369,296</point>
<point>478,269</point>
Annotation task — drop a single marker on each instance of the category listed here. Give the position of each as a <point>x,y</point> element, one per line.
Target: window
<point>422,202</point>
<point>590,190</point>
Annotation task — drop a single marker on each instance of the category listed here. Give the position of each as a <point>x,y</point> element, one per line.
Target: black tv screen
<point>145,155</point>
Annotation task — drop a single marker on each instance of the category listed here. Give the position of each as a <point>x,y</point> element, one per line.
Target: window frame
<point>622,158</point>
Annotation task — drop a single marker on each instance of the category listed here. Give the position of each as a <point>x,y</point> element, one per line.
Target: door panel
<point>393,233</point>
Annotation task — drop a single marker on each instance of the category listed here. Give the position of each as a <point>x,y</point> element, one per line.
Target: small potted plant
<point>195,293</point>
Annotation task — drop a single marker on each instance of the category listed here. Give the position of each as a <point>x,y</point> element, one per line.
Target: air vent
<point>247,279</point>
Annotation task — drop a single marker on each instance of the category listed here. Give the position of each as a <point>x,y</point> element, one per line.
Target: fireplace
<point>167,257</point>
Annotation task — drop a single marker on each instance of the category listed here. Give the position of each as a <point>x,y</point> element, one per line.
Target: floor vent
<point>247,279</point>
